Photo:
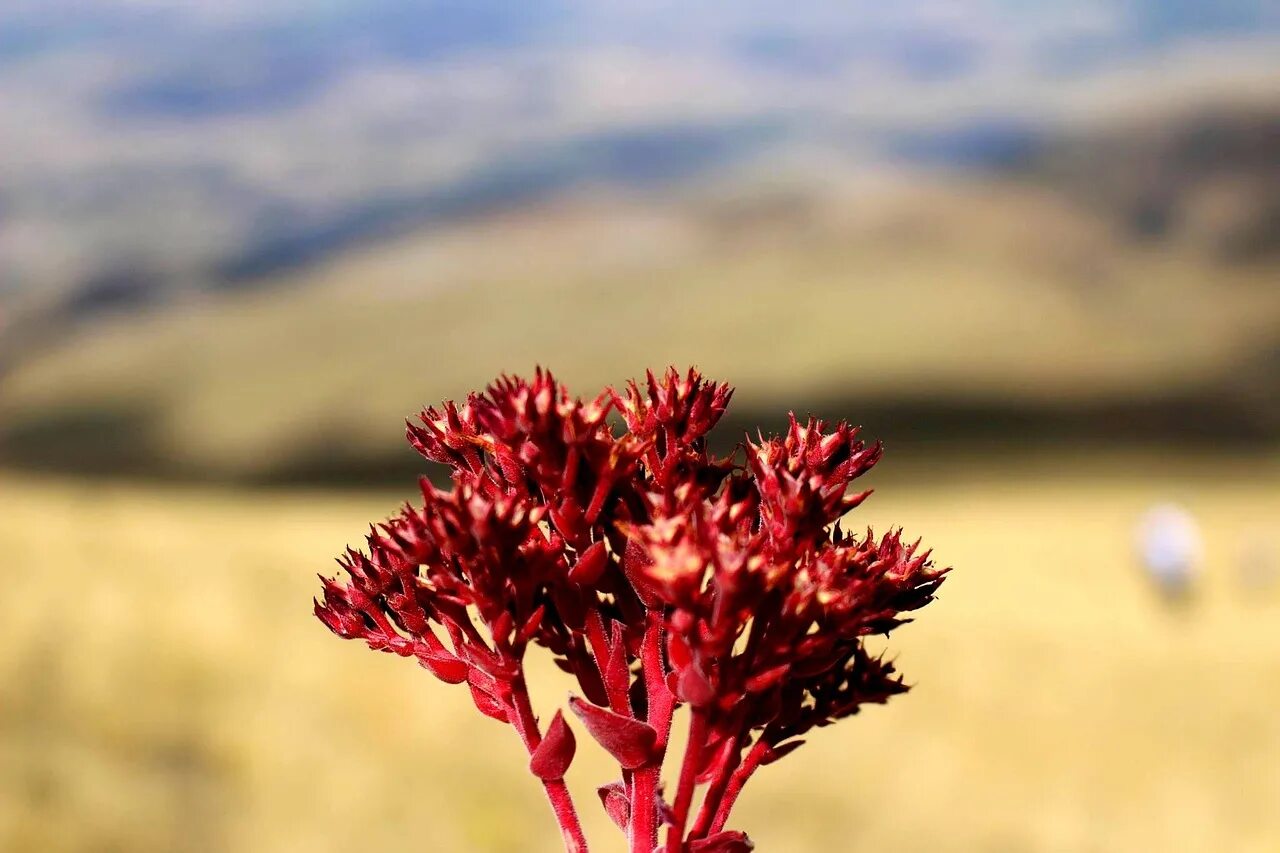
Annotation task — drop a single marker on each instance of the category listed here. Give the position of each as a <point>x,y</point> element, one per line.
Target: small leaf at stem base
<point>631,742</point>
<point>554,755</point>
<point>614,799</point>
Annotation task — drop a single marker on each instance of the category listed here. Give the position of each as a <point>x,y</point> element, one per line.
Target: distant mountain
<point>1209,178</point>
<point>166,145</point>
<point>956,315</point>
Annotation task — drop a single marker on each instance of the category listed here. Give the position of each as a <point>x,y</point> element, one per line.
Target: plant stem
<point>661,706</point>
<point>562,804</point>
<point>644,808</point>
<point>557,792</point>
<point>739,778</point>
<point>600,650</point>
<point>688,777</point>
<point>728,761</point>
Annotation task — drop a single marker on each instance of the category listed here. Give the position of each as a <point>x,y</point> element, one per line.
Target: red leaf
<point>590,565</point>
<point>629,741</point>
<point>616,674</point>
<point>488,703</point>
<point>533,623</point>
<point>589,680</point>
<point>614,799</point>
<point>569,604</point>
<point>678,651</point>
<point>693,686</point>
<point>554,755</point>
<point>723,842</point>
<point>634,559</point>
<point>444,667</point>
<point>780,751</point>
<point>763,681</point>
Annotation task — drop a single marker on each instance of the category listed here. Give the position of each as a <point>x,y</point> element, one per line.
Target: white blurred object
<point>1170,548</point>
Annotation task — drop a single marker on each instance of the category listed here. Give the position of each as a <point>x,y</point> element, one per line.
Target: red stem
<point>644,808</point>
<point>688,777</point>
<point>661,706</point>
<point>729,760</point>
<point>557,792</point>
<point>619,702</point>
<point>739,778</point>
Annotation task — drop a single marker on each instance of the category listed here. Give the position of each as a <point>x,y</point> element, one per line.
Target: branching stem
<point>661,707</point>
<point>736,781</point>
<point>557,792</point>
<point>688,777</point>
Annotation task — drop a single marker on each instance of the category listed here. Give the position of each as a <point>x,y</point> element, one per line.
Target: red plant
<point>655,573</point>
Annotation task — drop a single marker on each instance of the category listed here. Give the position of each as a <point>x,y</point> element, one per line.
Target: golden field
<point>163,685</point>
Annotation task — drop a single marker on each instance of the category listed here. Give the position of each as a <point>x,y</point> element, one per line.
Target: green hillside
<point>936,308</point>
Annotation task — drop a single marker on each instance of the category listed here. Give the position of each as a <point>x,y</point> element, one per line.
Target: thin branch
<point>731,755</point>
<point>661,707</point>
<point>557,792</point>
<point>688,778</point>
<point>739,778</point>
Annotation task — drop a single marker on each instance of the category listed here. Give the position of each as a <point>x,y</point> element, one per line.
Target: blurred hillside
<point>1210,180</point>
<point>243,242</point>
<point>1116,283</point>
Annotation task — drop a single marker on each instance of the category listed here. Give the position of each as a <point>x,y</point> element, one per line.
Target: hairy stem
<point>600,649</point>
<point>557,792</point>
<point>730,756</point>
<point>688,777</point>
<point>644,808</point>
<point>739,778</point>
<point>661,706</point>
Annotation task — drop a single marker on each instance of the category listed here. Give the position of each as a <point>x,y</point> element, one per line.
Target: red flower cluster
<point>656,573</point>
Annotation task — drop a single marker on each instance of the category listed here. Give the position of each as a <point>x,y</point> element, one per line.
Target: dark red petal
<point>666,814</point>
<point>714,756</point>
<point>533,623</point>
<point>631,742</point>
<point>554,755</point>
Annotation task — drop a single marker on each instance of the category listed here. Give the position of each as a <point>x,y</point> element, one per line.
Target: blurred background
<point>1034,247</point>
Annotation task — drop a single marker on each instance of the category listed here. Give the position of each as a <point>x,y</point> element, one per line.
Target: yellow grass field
<point>164,687</point>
